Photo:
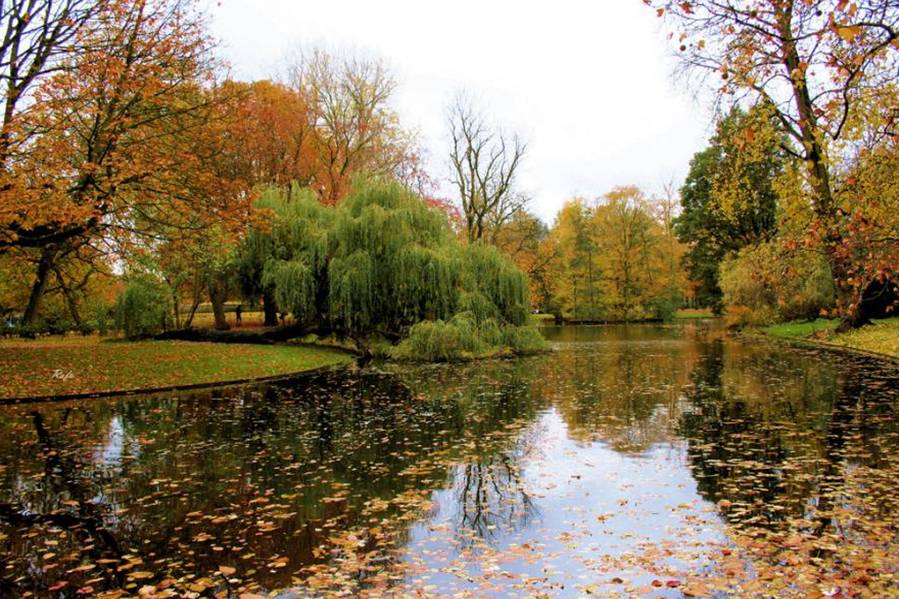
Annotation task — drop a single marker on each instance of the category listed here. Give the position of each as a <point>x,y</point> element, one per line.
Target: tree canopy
<point>728,199</point>
<point>377,263</point>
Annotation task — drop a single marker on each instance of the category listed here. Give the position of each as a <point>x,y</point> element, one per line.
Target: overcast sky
<point>587,83</point>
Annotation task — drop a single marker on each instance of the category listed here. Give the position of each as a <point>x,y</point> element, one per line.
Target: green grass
<point>801,329</point>
<point>538,319</point>
<point>69,365</point>
<point>688,313</point>
<point>880,337</point>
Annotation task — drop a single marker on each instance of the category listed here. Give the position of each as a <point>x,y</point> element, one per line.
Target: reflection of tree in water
<point>65,506</point>
<point>261,471</point>
<point>733,455</point>
<point>622,393</point>
<point>491,497</point>
<point>492,405</point>
<point>770,433</point>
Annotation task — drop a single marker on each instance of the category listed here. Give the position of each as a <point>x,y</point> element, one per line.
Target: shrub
<point>774,284</point>
<point>665,306</point>
<point>462,338</point>
<point>432,341</point>
<point>469,332</point>
<point>737,317</point>
<point>142,308</point>
<point>524,340</point>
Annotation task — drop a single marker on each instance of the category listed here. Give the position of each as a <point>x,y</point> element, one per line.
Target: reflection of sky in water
<point>118,444</point>
<point>590,502</point>
<point>109,455</point>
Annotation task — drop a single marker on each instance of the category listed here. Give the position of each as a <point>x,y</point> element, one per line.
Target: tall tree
<point>728,199</point>
<point>484,162</point>
<point>577,282</point>
<point>276,135</point>
<point>112,158</point>
<point>348,104</point>
<point>626,235</point>
<point>811,61</point>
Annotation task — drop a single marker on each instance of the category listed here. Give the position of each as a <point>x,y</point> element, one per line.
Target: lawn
<point>69,365</point>
<point>542,319</point>
<point>801,329</point>
<point>206,320</point>
<point>689,313</point>
<point>881,336</point>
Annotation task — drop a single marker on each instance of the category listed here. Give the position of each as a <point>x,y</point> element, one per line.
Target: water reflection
<point>615,463</point>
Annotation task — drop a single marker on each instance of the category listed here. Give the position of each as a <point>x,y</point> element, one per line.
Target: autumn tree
<point>38,38</point>
<point>111,158</point>
<point>810,61</point>
<point>273,133</point>
<point>577,289</point>
<point>347,103</point>
<point>78,291</point>
<point>617,258</point>
<point>484,162</point>
<point>626,236</point>
<point>869,227</point>
<point>526,239</point>
<point>674,279</point>
<point>728,199</point>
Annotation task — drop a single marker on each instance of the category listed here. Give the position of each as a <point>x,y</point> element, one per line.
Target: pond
<point>641,460</point>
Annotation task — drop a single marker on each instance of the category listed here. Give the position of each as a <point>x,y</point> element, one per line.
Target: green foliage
<point>433,341</point>
<point>490,274</point>
<point>664,307</point>
<point>464,338</point>
<point>800,329</point>
<point>524,340</point>
<point>728,198</point>
<point>294,286</point>
<point>775,284</point>
<point>381,262</point>
<point>142,308</point>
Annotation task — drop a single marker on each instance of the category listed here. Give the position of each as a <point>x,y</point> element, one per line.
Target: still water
<point>643,460</point>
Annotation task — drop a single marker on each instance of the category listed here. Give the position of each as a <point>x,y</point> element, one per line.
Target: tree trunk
<point>217,297</point>
<point>198,297</point>
<point>193,310</point>
<point>71,300</point>
<point>270,309</point>
<point>816,165</point>
<point>176,309</point>
<point>44,266</point>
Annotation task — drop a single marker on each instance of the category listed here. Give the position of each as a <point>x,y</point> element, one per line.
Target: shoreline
<point>300,374</point>
<point>63,369</point>
<point>818,344</point>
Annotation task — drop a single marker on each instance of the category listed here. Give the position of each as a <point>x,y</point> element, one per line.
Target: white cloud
<point>587,83</point>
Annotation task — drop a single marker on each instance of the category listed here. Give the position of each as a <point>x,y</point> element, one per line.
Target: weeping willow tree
<point>382,262</point>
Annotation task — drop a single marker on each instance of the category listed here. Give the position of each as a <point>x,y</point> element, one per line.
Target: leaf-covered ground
<point>70,365</point>
<point>880,336</point>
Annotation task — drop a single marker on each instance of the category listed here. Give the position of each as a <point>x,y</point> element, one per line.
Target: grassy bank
<point>880,337</point>
<point>692,313</point>
<point>73,365</point>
